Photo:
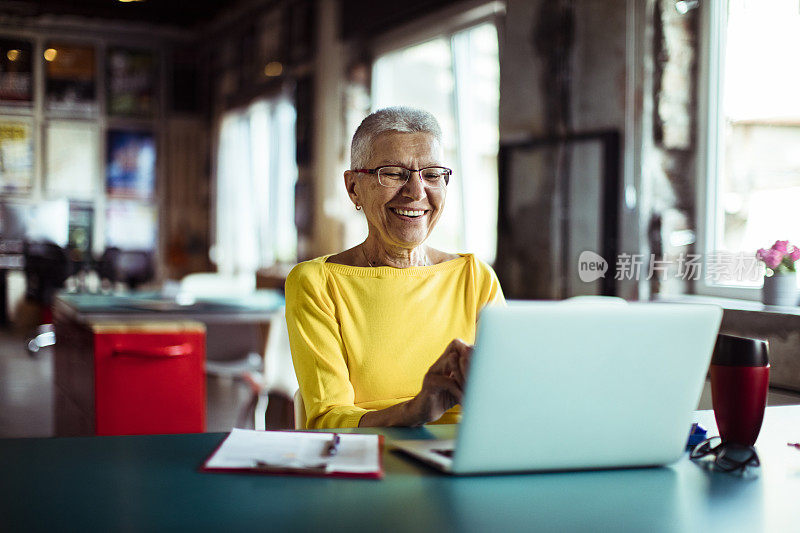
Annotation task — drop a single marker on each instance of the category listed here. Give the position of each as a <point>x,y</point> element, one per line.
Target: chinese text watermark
<point>717,267</point>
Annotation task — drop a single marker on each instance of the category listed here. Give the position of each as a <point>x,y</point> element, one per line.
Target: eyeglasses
<point>397,176</point>
<point>728,456</point>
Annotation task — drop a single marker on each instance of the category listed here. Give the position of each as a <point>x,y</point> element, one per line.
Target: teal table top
<point>144,483</point>
<point>149,305</point>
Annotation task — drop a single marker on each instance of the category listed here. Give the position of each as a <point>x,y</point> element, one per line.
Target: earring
<point>358,207</point>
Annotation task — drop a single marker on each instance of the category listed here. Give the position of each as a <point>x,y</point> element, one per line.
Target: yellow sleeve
<point>317,350</point>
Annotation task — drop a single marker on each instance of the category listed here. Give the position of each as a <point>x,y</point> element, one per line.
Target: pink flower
<point>761,254</point>
<point>781,246</point>
<point>795,255</point>
<point>773,258</point>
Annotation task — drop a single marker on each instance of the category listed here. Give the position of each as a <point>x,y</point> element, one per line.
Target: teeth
<point>408,213</point>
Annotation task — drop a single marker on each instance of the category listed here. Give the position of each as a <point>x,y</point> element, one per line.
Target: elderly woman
<point>379,333</point>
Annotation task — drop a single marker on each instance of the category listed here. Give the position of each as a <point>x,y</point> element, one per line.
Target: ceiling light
<point>50,54</point>
<point>12,54</point>
<point>273,68</point>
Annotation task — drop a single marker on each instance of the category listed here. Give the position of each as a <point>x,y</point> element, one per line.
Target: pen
<point>333,446</point>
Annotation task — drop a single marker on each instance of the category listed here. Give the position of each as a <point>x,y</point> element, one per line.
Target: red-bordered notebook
<point>300,453</point>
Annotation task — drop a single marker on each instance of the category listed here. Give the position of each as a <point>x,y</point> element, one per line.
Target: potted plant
<point>780,282</point>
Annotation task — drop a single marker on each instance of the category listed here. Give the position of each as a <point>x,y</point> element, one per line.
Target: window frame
<point>713,21</point>
<point>443,24</point>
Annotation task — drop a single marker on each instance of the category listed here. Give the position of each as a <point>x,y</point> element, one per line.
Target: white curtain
<point>256,174</point>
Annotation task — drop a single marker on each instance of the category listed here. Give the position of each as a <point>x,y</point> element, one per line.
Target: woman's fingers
<point>450,358</point>
<point>443,384</point>
<point>463,361</point>
<point>454,362</point>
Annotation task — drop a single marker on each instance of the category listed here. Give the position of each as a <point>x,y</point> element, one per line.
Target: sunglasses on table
<point>728,456</point>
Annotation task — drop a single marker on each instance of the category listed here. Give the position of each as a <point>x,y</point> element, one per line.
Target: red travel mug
<point>739,381</point>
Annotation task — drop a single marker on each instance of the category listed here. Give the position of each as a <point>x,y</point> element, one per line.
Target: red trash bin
<point>147,378</point>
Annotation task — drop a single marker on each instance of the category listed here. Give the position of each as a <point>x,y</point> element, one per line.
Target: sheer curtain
<point>256,174</point>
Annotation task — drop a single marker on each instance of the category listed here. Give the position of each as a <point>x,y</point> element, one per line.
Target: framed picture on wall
<point>131,225</point>
<point>16,156</point>
<point>13,228</point>
<point>16,72</point>
<point>130,164</point>
<point>72,152</point>
<point>70,75</point>
<point>567,184</point>
<point>131,82</point>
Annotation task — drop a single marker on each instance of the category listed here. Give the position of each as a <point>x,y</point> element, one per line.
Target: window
<point>752,130</point>
<point>256,173</point>
<point>455,76</point>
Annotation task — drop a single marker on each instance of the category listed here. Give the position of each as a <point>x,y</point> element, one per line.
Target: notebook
<point>299,453</point>
<point>578,385</point>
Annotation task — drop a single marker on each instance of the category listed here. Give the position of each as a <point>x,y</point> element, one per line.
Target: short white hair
<point>390,119</point>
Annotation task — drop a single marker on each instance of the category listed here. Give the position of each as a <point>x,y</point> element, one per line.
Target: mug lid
<point>731,350</point>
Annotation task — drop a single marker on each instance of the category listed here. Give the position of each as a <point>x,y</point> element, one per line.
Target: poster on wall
<point>48,221</point>
<point>131,82</point>
<point>16,72</point>
<point>16,157</point>
<point>13,227</point>
<point>131,225</point>
<point>130,164</point>
<point>71,159</point>
<point>70,78</point>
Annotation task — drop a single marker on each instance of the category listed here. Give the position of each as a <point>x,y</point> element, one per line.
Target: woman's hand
<point>442,388</point>
<point>443,385</point>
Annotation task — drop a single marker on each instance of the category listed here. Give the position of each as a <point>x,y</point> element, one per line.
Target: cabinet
<point>128,378</point>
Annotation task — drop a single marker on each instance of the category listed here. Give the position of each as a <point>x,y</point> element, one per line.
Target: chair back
<point>46,269</point>
<point>215,284</point>
<point>278,367</point>
<point>132,267</point>
<point>299,411</point>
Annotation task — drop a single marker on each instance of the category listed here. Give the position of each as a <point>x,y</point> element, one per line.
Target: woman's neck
<point>375,255</point>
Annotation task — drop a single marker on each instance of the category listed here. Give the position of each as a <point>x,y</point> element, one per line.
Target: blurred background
<point>144,141</point>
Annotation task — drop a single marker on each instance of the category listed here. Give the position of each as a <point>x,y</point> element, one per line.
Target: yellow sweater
<point>363,338</point>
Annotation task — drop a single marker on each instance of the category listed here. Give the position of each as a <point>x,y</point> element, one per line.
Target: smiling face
<point>399,217</point>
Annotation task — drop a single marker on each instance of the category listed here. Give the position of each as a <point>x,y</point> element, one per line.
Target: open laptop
<point>578,385</point>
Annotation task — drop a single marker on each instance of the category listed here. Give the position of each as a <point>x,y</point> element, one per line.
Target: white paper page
<point>245,448</point>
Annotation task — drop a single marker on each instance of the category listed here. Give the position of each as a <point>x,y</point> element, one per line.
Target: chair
<point>214,284</point>
<point>231,349</point>
<point>299,411</point>
<point>46,269</point>
<point>132,267</point>
<point>275,386</point>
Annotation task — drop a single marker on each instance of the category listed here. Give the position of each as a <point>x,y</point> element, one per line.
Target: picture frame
<point>130,164</point>
<point>72,153</point>
<point>16,72</point>
<point>131,81</point>
<point>70,78</point>
<point>16,155</point>
<point>131,225</point>
<point>551,174</point>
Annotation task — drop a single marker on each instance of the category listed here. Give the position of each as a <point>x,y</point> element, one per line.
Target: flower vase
<point>780,289</point>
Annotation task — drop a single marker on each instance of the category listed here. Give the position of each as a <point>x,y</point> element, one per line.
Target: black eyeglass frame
<point>721,453</point>
<point>447,173</point>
